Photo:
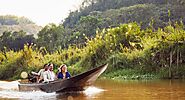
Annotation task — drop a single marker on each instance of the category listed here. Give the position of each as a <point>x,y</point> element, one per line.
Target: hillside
<point>123,11</point>
<point>96,15</point>
<point>14,23</point>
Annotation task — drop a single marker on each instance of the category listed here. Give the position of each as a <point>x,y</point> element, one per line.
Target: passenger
<point>40,74</point>
<point>63,73</point>
<point>52,76</point>
<point>46,74</point>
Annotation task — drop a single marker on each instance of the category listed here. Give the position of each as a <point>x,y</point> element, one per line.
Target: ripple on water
<point>13,85</point>
<point>93,91</point>
<point>10,90</point>
<point>26,95</point>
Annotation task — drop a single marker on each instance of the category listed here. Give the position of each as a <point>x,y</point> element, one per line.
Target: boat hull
<point>75,83</point>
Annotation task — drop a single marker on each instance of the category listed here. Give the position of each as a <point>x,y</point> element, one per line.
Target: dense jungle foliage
<point>139,39</point>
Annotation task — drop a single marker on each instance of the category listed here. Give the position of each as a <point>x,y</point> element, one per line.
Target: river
<point>105,90</point>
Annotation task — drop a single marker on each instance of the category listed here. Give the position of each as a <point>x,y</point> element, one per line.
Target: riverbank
<point>132,74</point>
<point>129,74</point>
<point>124,74</point>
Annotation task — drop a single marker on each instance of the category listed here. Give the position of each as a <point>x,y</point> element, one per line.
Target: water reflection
<point>89,94</point>
<point>142,90</point>
<point>71,96</point>
<point>105,90</point>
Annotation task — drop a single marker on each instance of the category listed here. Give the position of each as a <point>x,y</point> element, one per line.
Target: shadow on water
<point>89,93</point>
<point>71,96</point>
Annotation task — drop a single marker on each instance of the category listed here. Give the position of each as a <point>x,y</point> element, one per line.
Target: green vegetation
<point>139,39</point>
<point>15,40</point>
<point>128,49</point>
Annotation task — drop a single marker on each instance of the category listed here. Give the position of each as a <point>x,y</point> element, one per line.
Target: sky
<point>41,12</point>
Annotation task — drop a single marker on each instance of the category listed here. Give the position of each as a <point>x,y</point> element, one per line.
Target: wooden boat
<point>75,83</point>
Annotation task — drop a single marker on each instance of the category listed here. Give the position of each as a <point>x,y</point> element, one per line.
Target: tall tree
<point>52,37</point>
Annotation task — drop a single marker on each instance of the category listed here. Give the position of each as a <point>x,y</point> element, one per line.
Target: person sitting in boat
<point>52,76</point>
<point>39,75</point>
<point>46,75</point>
<point>63,73</point>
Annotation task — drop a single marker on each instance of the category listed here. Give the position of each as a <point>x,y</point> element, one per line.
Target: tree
<point>15,40</point>
<point>88,25</point>
<point>52,37</point>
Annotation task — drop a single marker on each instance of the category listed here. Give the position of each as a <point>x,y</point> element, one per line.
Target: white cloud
<point>41,12</point>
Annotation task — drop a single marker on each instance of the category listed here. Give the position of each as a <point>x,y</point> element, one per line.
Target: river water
<point>105,90</point>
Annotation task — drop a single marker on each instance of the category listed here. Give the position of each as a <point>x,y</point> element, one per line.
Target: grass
<point>129,74</point>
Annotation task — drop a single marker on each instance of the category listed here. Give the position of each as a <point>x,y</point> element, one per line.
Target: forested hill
<point>114,12</point>
<point>95,15</point>
<point>14,23</point>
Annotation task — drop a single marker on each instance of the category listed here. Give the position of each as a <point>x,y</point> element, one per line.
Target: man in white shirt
<point>46,76</point>
<point>40,74</point>
<point>51,74</point>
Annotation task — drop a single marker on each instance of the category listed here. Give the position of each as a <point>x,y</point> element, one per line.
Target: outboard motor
<point>32,78</point>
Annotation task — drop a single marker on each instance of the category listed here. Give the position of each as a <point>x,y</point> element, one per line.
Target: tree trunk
<point>177,59</point>
<point>180,56</point>
<point>169,71</point>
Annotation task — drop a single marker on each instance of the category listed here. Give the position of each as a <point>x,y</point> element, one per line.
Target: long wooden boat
<point>75,83</point>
